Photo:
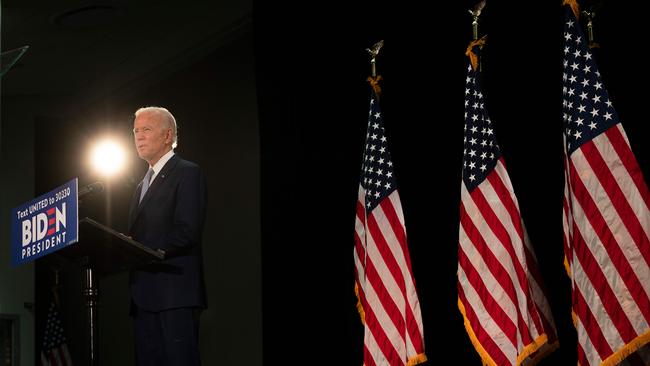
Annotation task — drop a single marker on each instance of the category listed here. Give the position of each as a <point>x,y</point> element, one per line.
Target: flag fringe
<point>539,344</point>
<point>544,351</point>
<point>420,358</point>
<point>620,355</point>
<point>362,313</point>
<point>574,7</point>
<point>633,346</point>
<point>485,357</point>
<point>567,267</point>
<point>473,57</point>
<point>374,83</point>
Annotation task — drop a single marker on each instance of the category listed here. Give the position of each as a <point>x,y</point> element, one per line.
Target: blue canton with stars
<point>481,150</point>
<point>54,336</point>
<point>377,176</point>
<point>587,110</point>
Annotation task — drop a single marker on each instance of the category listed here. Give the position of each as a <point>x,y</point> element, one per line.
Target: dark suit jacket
<point>170,217</point>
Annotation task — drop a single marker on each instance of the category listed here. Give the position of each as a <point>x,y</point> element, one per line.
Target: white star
<point>608,116</point>
<point>596,98</point>
<point>483,167</point>
<point>577,135</point>
<point>579,121</point>
<point>472,178</point>
<point>594,112</point>
<point>583,95</point>
<point>592,125</point>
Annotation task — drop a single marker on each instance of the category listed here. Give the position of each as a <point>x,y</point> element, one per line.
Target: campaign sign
<point>45,224</point>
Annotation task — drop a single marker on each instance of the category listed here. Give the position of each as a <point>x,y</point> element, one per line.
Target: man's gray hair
<point>166,116</point>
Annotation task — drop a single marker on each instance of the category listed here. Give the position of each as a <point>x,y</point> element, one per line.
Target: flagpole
<point>374,79</point>
<point>374,51</point>
<point>476,13</point>
<point>590,27</point>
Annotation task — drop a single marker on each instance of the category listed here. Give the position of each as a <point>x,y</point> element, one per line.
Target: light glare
<point>108,157</point>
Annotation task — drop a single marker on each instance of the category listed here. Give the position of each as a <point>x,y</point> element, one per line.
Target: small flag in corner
<point>55,349</point>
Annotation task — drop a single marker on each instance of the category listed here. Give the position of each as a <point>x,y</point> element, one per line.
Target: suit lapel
<point>160,179</point>
<point>134,204</point>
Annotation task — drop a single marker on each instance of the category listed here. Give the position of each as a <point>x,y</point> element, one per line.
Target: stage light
<point>108,157</point>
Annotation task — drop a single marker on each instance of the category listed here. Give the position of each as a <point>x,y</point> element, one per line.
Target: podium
<point>103,251</point>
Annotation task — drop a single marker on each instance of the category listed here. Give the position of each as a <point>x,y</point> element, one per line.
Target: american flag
<point>55,350</point>
<point>388,301</point>
<point>605,216</point>
<point>500,289</point>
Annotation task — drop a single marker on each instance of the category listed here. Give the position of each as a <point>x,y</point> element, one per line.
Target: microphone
<point>96,187</point>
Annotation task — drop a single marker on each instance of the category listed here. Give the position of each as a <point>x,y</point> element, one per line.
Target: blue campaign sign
<point>45,224</point>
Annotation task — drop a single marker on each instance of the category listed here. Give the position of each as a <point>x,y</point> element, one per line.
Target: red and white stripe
<point>58,356</point>
<point>607,231</point>
<point>393,333</point>
<point>500,288</point>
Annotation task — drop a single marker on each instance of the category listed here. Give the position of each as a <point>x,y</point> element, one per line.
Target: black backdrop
<point>313,101</point>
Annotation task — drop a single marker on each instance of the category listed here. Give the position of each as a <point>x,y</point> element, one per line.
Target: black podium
<point>102,251</point>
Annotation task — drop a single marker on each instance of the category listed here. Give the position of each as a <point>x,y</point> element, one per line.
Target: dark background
<point>277,115</point>
<point>312,67</point>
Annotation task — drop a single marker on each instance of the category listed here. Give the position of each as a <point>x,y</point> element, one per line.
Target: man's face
<point>152,140</point>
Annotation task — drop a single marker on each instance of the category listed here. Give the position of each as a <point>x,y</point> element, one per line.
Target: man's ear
<point>169,137</point>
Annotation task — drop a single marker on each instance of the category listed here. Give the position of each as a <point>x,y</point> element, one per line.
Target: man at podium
<point>167,213</point>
